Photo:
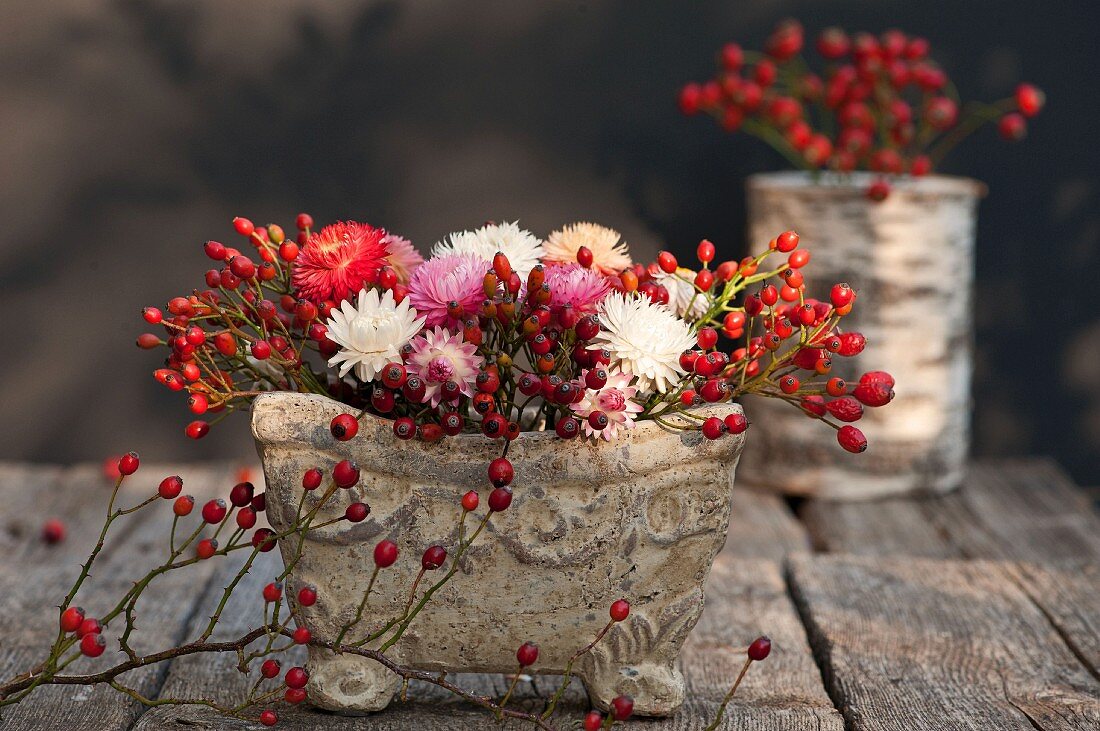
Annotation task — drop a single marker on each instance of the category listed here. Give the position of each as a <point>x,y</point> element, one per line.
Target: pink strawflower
<point>402,256</point>
<point>444,279</point>
<point>572,284</point>
<point>339,260</point>
<point>439,356</point>
<point>614,400</point>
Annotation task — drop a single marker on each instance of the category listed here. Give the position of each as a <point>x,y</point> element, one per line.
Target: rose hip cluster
<point>83,634</point>
<point>246,331</point>
<point>880,103</point>
<point>790,342</point>
<point>581,343</point>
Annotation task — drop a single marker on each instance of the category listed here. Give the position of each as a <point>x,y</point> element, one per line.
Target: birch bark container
<point>910,259</point>
<point>639,518</point>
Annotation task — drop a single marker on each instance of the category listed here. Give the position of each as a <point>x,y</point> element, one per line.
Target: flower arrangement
<point>500,332</point>
<point>880,104</point>
<point>496,333</point>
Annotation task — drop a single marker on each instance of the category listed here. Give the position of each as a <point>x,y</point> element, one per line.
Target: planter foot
<point>656,687</point>
<point>349,684</point>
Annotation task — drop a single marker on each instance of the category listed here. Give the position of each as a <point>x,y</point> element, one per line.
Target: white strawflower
<point>609,254</point>
<point>643,338</point>
<point>683,298</point>
<point>523,249</point>
<point>371,333</point>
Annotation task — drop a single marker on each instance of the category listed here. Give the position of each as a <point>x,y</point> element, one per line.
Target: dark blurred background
<point>133,130</point>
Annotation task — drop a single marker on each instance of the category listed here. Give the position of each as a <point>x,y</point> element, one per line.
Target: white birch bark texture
<point>639,518</point>
<point>910,259</point>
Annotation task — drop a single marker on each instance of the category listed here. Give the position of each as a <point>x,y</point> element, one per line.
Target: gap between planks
<point>1015,510</point>
<point>910,643</point>
<point>746,596</point>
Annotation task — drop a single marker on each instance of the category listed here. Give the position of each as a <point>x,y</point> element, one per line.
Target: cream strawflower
<point>682,294</point>
<point>522,248</point>
<point>609,254</point>
<point>371,333</point>
<point>643,338</point>
<point>614,400</point>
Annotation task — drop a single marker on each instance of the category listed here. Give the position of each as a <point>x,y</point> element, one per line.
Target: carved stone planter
<point>640,518</point>
<point>911,258</point>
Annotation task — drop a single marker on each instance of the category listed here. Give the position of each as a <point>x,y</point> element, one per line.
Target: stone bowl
<point>639,518</point>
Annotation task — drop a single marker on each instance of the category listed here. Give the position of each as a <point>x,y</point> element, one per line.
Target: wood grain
<point>33,586</point>
<point>746,597</point>
<point>762,526</point>
<point>880,528</point>
<point>1026,510</point>
<point>904,643</point>
<point>914,643</point>
<point>1069,596</point>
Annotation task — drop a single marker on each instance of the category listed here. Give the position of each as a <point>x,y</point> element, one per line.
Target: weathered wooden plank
<point>762,526</point>
<point>745,598</point>
<point>880,528</point>
<point>32,587</point>
<point>1069,596</point>
<point>22,487</point>
<point>911,643</point>
<point>1024,510</point>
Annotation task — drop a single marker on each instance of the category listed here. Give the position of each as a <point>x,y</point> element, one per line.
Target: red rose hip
<point>500,499</point>
<point>851,439</point>
<point>129,463</point>
<point>760,648</point>
<point>357,512</point>
<point>385,554</point>
<point>71,619</point>
<point>345,474</point>
<point>214,511</point>
<point>53,531</point>
<point>307,596</point>
<point>344,427</point>
<point>622,707</point>
<point>296,677</point>
<point>170,487</point>
<point>92,645</point>
<point>527,654</point>
<point>433,558</point>
<point>501,472</point>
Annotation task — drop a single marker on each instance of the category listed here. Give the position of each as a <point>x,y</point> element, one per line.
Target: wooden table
<point>979,610</point>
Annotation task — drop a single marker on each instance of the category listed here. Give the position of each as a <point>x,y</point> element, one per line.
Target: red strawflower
<point>339,260</point>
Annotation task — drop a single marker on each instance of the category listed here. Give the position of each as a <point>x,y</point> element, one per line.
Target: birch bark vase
<point>639,518</point>
<point>911,261</point>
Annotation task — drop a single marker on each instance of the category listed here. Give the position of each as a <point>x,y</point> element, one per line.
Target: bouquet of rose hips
<point>501,332</point>
<point>880,103</point>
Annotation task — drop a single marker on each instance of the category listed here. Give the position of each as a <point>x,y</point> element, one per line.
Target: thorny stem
<point>51,672</point>
<point>362,606</point>
<point>404,625</point>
